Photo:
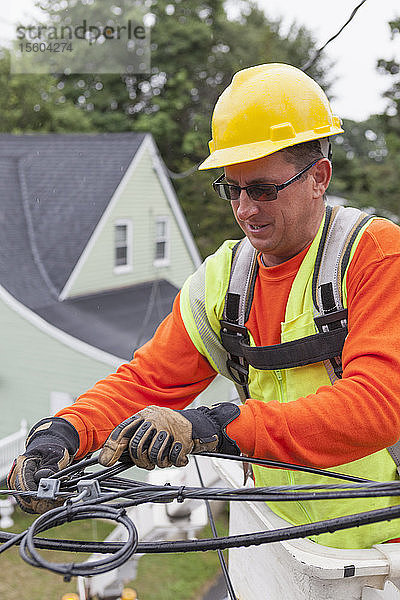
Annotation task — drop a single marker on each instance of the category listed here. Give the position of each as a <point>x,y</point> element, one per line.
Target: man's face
<point>281,228</point>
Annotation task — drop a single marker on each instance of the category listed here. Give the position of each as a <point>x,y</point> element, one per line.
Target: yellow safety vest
<point>202,305</point>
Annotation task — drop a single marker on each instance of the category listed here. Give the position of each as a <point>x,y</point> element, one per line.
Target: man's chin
<point>259,244</point>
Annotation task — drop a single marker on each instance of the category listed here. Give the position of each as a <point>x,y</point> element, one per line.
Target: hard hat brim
<point>247,152</point>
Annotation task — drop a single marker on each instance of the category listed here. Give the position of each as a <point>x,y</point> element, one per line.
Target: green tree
<point>31,103</point>
<point>195,49</point>
<point>367,156</point>
<point>391,117</point>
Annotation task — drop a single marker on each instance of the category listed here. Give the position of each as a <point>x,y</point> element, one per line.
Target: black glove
<point>160,436</point>
<point>50,446</point>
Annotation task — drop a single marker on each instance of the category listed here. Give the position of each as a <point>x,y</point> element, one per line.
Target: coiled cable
<point>71,512</point>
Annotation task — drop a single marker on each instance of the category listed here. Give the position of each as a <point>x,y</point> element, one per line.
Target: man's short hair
<point>303,154</point>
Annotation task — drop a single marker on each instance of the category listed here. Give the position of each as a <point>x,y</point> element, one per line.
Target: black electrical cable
<point>76,466</point>
<point>312,60</point>
<point>236,541</point>
<point>81,465</point>
<point>13,540</point>
<point>31,494</point>
<point>146,493</point>
<point>134,493</point>
<point>277,535</point>
<point>224,568</point>
<point>151,493</point>
<point>283,465</point>
<point>99,475</point>
<point>70,512</point>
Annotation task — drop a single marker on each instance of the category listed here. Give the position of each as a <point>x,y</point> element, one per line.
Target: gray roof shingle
<point>65,183</point>
<point>54,189</point>
<point>118,321</point>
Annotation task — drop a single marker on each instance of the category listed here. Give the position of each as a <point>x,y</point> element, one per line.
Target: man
<point>270,130</point>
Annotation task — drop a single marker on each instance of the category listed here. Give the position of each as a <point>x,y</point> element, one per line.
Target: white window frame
<point>118,269</point>
<point>162,262</point>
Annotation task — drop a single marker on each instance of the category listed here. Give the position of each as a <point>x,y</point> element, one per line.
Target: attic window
<point>122,246</point>
<point>161,257</point>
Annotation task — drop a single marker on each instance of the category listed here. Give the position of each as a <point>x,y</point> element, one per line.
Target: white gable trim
<point>147,144</point>
<point>103,220</point>
<point>173,202</point>
<point>58,334</point>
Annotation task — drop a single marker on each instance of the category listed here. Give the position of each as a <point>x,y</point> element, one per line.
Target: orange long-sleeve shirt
<point>358,415</point>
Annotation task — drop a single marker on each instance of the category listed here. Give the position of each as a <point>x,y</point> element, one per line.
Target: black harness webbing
<point>330,316</point>
<point>298,353</point>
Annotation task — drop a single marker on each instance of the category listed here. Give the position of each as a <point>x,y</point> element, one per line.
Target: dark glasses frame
<point>259,192</point>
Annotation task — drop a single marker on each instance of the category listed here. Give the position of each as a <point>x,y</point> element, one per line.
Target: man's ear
<point>321,173</point>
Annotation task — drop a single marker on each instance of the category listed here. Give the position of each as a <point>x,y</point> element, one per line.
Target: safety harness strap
<point>240,293</point>
<point>237,307</point>
<point>341,228</point>
<point>342,225</point>
<point>297,353</point>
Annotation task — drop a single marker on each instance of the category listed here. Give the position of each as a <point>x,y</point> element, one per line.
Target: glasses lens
<point>234,192</point>
<point>259,193</point>
<point>264,193</point>
<point>227,191</point>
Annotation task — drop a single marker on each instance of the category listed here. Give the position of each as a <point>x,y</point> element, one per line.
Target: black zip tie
<point>179,496</point>
<point>68,576</point>
<point>68,509</point>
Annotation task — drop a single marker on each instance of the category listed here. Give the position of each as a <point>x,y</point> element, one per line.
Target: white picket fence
<point>10,447</point>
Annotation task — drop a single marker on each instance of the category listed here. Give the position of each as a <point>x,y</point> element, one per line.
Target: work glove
<point>50,446</point>
<point>164,437</point>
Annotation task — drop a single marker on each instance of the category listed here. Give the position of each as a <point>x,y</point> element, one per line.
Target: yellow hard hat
<point>265,109</point>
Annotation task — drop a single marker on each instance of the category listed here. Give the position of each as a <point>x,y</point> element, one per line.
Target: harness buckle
<point>241,374</point>
<point>333,320</point>
<point>327,322</point>
<point>232,336</point>
<point>234,329</point>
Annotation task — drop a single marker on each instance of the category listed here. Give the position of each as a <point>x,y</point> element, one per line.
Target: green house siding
<point>141,201</point>
<point>34,364</point>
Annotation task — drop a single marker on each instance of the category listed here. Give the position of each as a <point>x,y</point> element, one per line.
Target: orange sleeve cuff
<point>242,430</point>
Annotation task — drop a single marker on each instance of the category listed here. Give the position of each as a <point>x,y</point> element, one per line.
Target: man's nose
<point>247,207</point>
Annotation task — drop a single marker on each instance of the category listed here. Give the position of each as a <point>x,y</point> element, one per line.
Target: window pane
<point>161,229</point>
<point>160,250</point>
<point>121,234</point>
<point>121,256</point>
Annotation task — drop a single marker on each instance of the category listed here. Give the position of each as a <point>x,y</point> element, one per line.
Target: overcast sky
<point>358,87</point>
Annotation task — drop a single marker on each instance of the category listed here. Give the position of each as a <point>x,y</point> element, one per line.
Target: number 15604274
<point>45,47</point>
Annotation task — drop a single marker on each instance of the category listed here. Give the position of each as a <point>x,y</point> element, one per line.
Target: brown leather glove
<point>160,436</point>
<point>50,446</point>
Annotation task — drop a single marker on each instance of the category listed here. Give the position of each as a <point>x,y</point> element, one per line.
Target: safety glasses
<point>259,192</point>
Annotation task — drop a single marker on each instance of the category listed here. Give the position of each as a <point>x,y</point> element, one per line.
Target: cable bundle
<point>116,494</point>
